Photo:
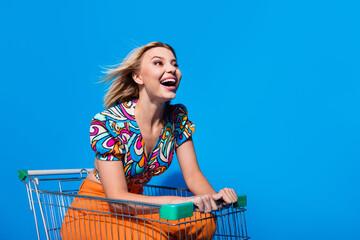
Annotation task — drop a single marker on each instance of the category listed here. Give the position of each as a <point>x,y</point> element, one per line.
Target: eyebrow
<point>174,59</point>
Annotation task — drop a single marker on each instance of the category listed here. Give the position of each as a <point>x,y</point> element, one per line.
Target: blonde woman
<point>134,139</point>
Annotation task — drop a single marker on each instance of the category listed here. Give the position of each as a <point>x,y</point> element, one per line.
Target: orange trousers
<point>92,219</point>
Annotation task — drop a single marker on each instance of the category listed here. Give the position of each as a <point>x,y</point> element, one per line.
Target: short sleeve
<point>104,139</point>
<point>184,128</point>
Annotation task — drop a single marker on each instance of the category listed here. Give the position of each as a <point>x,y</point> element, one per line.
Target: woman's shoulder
<point>184,128</point>
<point>177,108</point>
<point>118,112</point>
<point>178,112</point>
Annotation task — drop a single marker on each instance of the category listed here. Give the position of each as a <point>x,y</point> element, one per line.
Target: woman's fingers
<point>209,203</point>
<point>199,204</point>
<point>228,195</point>
<point>234,195</point>
<point>231,194</point>
<point>213,203</point>
<point>204,203</point>
<point>217,196</point>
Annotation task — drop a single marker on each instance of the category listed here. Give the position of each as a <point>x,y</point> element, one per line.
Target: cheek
<point>179,75</point>
<point>150,72</point>
<point>155,74</point>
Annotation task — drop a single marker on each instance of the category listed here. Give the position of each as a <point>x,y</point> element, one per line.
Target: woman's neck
<point>149,112</point>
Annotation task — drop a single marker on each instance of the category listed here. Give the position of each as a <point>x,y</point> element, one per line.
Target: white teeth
<point>168,80</point>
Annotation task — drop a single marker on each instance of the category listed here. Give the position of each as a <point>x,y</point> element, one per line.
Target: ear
<point>137,78</point>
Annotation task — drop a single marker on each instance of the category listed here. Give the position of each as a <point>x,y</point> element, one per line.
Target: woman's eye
<point>174,63</point>
<point>158,63</point>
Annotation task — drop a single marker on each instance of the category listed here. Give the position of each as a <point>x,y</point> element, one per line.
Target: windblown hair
<point>123,88</point>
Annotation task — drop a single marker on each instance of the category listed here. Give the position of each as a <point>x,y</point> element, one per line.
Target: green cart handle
<point>22,174</point>
<point>184,210</point>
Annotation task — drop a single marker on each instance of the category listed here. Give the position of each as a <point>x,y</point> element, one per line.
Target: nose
<point>171,69</point>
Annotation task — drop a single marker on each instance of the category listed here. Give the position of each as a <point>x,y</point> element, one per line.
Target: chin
<point>168,98</point>
<point>172,96</point>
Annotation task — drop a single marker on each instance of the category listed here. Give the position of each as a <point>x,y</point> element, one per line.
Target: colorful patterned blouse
<point>115,135</point>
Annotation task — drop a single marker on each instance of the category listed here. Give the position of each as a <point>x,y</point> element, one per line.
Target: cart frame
<point>53,205</point>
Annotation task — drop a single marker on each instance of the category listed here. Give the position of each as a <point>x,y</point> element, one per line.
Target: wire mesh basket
<point>67,215</point>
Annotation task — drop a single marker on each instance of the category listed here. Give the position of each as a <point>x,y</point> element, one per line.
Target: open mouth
<point>169,82</point>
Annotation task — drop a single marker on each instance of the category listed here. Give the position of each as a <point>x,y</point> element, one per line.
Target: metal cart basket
<point>57,204</point>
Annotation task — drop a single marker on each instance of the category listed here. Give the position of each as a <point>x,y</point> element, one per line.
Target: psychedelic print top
<point>115,136</point>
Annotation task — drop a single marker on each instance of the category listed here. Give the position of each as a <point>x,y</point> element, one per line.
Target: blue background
<point>273,87</point>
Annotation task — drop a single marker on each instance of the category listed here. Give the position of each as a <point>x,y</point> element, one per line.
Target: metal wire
<point>140,217</point>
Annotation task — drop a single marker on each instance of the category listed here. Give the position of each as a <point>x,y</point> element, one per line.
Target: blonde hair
<point>123,88</point>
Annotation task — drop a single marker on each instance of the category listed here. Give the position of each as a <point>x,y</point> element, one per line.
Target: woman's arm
<point>195,179</point>
<point>114,184</point>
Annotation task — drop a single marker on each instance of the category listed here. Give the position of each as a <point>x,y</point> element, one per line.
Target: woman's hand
<point>203,203</point>
<point>206,203</point>
<point>228,195</point>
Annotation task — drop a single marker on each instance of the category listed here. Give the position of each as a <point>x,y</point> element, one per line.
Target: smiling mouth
<point>170,82</point>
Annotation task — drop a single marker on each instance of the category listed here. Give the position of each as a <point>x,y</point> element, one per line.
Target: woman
<point>134,140</point>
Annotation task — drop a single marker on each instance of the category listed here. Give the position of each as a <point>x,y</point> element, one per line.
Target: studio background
<point>272,86</point>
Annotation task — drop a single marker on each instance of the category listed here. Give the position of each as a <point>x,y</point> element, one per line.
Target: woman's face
<point>159,76</point>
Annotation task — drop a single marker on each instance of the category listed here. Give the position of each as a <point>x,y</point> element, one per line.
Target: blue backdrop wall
<point>273,87</point>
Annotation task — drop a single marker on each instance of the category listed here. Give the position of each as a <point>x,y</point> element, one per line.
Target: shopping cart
<point>55,204</point>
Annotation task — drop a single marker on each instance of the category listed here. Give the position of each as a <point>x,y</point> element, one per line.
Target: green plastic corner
<point>242,202</point>
<point>22,174</point>
<point>176,211</point>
